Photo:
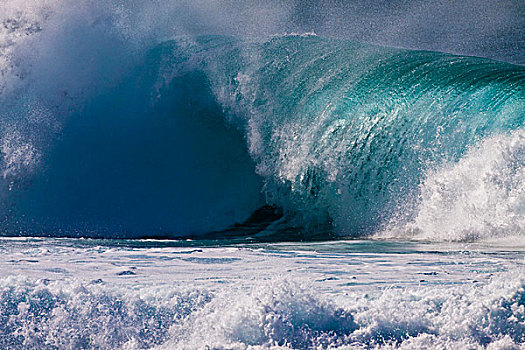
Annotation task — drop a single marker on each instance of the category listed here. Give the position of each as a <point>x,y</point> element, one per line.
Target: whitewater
<point>169,180</point>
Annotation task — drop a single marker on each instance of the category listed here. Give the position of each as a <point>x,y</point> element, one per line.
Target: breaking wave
<point>111,135</point>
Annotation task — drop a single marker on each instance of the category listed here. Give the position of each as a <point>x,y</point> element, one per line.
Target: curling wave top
<point>199,132</point>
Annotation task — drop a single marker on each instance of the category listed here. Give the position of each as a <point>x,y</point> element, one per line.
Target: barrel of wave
<point>151,156</point>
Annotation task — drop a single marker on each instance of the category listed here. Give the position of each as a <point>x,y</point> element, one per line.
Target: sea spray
<point>482,196</point>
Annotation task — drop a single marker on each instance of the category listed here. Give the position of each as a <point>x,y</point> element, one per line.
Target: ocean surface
<point>170,180</point>
<point>354,294</point>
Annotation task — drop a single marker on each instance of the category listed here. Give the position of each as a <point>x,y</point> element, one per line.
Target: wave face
<point>194,134</point>
<point>345,133</point>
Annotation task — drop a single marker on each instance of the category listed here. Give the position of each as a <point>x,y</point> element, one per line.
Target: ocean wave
<point>108,134</point>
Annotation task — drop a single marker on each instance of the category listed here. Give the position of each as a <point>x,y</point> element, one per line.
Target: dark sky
<point>490,28</point>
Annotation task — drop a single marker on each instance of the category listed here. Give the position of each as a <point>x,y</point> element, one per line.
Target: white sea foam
<point>273,314</point>
<point>337,295</point>
<point>482,196</point>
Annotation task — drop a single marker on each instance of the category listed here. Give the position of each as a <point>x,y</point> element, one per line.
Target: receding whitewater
<point>168,191</point>
<point>136,294</point>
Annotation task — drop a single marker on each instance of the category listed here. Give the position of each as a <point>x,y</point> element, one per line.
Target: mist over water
<point>478,28</point>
